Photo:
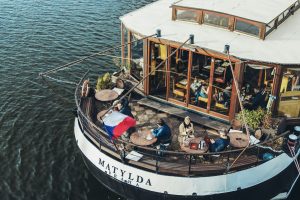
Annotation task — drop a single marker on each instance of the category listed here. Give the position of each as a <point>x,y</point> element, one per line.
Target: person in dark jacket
<point>221,143</point>
<point>124,108</point>
<point>162,133</point>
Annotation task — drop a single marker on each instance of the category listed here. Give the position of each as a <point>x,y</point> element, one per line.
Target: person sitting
<point>195,85</point>
<point>258,100</point>
<point>124,108</point>
<point>202,91</point>
<point>162,133</point>
<point>221,143</point>
<point>186,129</point>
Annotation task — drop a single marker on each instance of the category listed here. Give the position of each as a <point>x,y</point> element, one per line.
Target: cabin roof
<point>281,46</point>
<point>257,10</point>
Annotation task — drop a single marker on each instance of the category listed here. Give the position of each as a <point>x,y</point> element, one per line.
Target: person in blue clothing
<point>162,133</point>
<point>124,108</point>
<point>221,143</point>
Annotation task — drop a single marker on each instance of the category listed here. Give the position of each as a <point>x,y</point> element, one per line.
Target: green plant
<point>103,82</point>
<point>256,118</point>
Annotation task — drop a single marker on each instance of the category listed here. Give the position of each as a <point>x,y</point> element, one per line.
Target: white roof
<point>280,46</point>
<point>257,10</point>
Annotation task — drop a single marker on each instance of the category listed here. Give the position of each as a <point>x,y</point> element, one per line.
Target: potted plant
<point>103,82</point>
<point>255,119</point>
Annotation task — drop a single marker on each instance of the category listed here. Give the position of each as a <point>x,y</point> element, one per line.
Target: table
<point>106,95</point>
<point>238,140</point>
<point>193,151</point>
<point>139,138</point>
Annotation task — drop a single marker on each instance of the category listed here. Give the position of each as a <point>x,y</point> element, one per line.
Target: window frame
<point>217,14</point>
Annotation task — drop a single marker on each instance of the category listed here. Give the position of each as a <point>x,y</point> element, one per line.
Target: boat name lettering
<point>127,177</point>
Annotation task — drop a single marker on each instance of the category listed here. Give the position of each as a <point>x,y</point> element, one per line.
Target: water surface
<point>38,154</point>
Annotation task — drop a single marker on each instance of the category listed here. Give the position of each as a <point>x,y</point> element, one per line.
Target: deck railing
<point>165,161</point>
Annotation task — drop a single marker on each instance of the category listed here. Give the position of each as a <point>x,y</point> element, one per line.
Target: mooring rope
<point>131,89</point>
<point>292,150</point>
<point>90,56</point>
<point>60,81</point>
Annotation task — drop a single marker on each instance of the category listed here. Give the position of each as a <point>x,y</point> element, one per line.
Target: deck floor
<point>195,118</point>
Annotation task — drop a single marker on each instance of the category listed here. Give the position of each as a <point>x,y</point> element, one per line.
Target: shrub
<point>256,118</point>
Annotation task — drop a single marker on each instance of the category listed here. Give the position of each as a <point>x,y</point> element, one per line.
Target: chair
<point>178,91</point>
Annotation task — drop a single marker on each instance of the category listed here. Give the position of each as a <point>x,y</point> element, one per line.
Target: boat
<point>239,50</point>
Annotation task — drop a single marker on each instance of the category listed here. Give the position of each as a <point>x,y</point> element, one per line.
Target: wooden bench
<point>181,113</point>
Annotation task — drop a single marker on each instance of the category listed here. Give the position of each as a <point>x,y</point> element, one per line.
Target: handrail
<point>165,151</point>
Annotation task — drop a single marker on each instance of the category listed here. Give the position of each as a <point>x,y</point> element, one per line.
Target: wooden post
<point>146,66</point>
<point>276,87</point>
<point>234,102</point>
<point>129,47</point>
<point>123,44</point>
<point>168,75</point>
<point>260,77</point>
<point>189,78</point>
<point>211,80</point>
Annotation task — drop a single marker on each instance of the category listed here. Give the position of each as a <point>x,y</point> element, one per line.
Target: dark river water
<point>39,158</point>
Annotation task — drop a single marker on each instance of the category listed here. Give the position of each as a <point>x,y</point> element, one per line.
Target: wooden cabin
<point>263,44</point>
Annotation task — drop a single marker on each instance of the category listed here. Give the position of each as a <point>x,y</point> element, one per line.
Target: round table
<point>140,138</point>
<point>106,95</point>
<point>238,140</point>
<point>196,140</point>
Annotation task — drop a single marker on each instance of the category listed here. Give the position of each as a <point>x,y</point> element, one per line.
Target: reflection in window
<point>216,20</point>
<point>290,80</point>
<point>246,28</point>
<point>187,15</point>
<point>289,98</point>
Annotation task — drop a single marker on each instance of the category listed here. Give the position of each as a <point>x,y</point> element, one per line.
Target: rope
<point>60,81</point>
<point>92,55</point>
<point>292,150</point>
<point>242,109</point>
<point>129,91</point>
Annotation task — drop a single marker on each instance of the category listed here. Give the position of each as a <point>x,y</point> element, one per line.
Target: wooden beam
<point>234,102</point>
<point>276,87</point>
<point>129,46</point>
<point>123,44</point>
<point>146,66</point>
<point>260,78</point>
<point>211,80</point>
<point>189,78</point>
<point>168,76</point>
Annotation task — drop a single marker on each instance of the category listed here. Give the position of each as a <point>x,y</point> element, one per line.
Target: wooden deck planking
<point>196,118</point>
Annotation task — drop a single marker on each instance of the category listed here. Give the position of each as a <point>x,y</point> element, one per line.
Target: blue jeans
<point>199,94</point>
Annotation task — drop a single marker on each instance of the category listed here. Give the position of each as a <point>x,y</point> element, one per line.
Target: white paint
<point>257,10</point>
<point>280,46</point>
<point>185,185</point>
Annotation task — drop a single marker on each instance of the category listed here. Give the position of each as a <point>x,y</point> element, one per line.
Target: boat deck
<point>173,161</point>
<point>180,113</point>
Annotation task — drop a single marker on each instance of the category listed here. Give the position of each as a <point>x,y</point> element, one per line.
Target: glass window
<point>179,75</point>
<point>187,15</point>
<point>289,97</point>
<point>216,20</point>
<point>221,87</point>
<point>200,80</point>
<point>246,28</point>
